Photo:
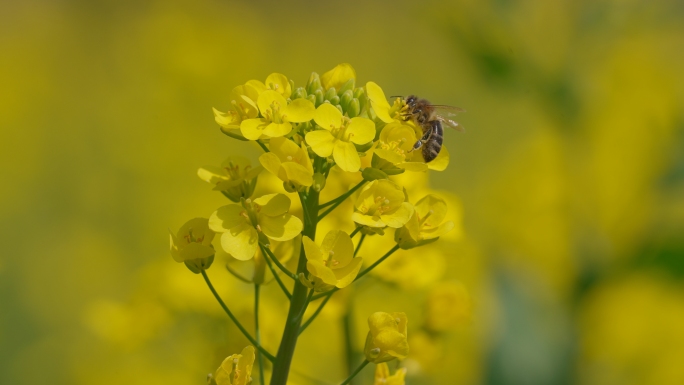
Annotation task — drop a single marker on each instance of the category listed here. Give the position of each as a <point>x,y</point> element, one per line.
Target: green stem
<point>263,146</point>
<point>235,320</point>
<point>315,314</point>
<point>282,267</point>
<point>275,274</point>
<point>337,201</point>
<point>234,136</point>
<point>257,334</point>
<point>299,301</point>
<point>359,369</point>
<point>358,245</point>
<point>361,274</point>
<point>347,332</point>
<point>236,274</point>
<point>356,230</point>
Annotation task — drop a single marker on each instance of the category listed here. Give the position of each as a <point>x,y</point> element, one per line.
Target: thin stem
<point>275,274</point>
<point>235,320</point>
<point>359,369</point>
<point>276,261</point>
<point>347,333</point>
<point>235,136</point>
<point>356,230</point>
<point>315,314</point>
<point>257,334</point>
<point>308,300</point>
<point>361,274</point>
<point>358,245</point>
<point>340,199</point>
<point>236,274</point>
<point>263,146</point>
<point>343,196</point>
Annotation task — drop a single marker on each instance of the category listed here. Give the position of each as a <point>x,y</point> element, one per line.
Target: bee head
<point>411,100</point>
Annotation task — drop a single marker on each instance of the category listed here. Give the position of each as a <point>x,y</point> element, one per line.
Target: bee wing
<point>448,110</point>
<point>451,123</point>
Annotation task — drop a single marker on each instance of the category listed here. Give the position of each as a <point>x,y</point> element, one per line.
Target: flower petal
<point>399,217</point>
<point>269,100</point>
<point>437,231</point>
<point>346,156</point>
<point>328,116</point>
<point>283,148</point>
<point>194,251</point>
<point>252,129</point>
<point>320,270</point>
<point>275,130</point>
<point>361,130</point>
<point>240,242</point>
<point>337,76</point>
<point>281,228</point>
<point>441,162</point>
<point>299,110</point>
<point>227,217</point>
<point>228,119</point>
<point>433,206</point>
<point>212,174</point>
<point>312,251</point>
<point>279,83</point>
<point>346,275</point>
<point>298,173</point>
<point>367,220</point>
<point>378,102</point>
<point>322,142</point>
<point>270,162</point>
<point>273,204</point>
<point>340,244</point>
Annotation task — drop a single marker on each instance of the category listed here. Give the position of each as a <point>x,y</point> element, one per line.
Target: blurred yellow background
<point>570,178</point>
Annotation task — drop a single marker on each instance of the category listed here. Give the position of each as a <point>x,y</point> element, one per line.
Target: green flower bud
<point>354,108</point>
<point>199,264</point>
<point>292,86</point>
<point>358,92</point>
<point>320,97</point>
<point>299,93</point>
<point>311,98</point>
<point>339,108</point>
<point>348,86</point>
<point>330,93</point>
<point>314,83</point>
<point>334,100</point>
<point>346,97</point>
<point>370,174</point>
<point>318,181</point>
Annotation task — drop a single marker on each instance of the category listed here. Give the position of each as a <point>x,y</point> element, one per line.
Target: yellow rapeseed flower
<point>338,76</point>
<point>339,135</point>
<point>387,337</point>
<point>289,162</point>
<point>425,224</point>
<point>192,245</point>
<point>383,377</point>
<point>277,116</point>
<point>332,263</point>
<point>242,105</point>
<point>244,224</point>
<point>382,203</point>
<point>236,178</point>
<point>236,369</point>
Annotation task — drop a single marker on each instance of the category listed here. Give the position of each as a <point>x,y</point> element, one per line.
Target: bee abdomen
<point>433,145</point>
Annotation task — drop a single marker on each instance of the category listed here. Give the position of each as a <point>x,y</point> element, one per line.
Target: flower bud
<point>192,245</point>
<point>387,337</point>
<point>320,97</point>
<point>370,174</point>
<point>348,86</point>
<point>330,93</point>
<point>345,98</point>
<point>311,98</point>
<point>358,92</point>
<point>299,93</point>
<point>334,100</point>
<point>314,83</point>
<point>354,108</point>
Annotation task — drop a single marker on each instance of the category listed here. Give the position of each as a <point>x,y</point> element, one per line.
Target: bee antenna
<point>396,96</point>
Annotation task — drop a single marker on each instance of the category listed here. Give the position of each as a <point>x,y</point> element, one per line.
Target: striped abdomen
<point>433,144</point>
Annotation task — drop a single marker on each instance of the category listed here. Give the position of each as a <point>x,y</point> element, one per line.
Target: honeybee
<point>426,116</point>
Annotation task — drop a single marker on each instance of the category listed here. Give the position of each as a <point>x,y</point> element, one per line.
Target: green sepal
<point>370,174</point>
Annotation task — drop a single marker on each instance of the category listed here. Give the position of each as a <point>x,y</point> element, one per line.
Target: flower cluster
<point>328,128</point>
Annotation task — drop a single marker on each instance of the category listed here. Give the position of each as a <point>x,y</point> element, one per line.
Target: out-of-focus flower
<point>289,162</point>
<point>339,135</point>
<point>236,178</point>
<point>244,224</point>
<point>338,76</point>
<point>383,377</point>
<point>387,337</point>
<point>382,203</point>
<point>426,223</point>
<point>242,106</point>
<point>448,305</point>
<point>277,116</point>
<point>332,263</point>
<point>192,245</point>
<point>236,369</point>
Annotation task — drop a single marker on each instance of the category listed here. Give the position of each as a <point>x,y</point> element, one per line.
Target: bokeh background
<point>569,268</point>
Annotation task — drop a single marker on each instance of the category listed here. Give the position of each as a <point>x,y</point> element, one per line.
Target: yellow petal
<point>222,375</point>
<point>337,76</point>
<point>279,83</point>
<point>269,100</point>
<point>275,130</point>
<point>328,116</point>
<point>367,220</point>
<point>399,217</point>
<point>298,173</point>
<point>298,111</point>
<point>227,217</point>
<point>412,166</point>
<point>437,231</point>
<point>312,251</point>
<point>378,102</point>
<point>393,343</point>
<point>270,162</point>
<point>340,244</point>
<point>212,174</point>
<point>284,148</point>
<point>322,142</point>
<point>346,156</point>
<point>194,251</point>
<point>346,275</point>
<point>320,270</point>
<point>441,162</point>
<point>273,204</point>
<point>252,129</point>
<point>433,206</point>
<point>240,242</point>
<point>228,119</point>
<point>281,228</point>
<point>243,372</point>
<point>361,130</point>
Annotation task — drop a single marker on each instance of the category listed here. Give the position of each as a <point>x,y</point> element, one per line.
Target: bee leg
<point>426,136</point>
<point>416,146</point>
